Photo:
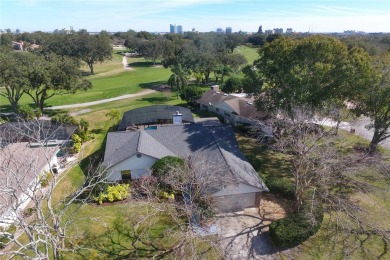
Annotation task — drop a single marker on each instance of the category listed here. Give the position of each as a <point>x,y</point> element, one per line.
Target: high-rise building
<point>173,28</point>
<point>219,30</point>
<point>180,29</point>
<point>229,30</point>
<point>289,30</point>
<point>278,30</point>
<point>268,32</point>
<point>260,29</point>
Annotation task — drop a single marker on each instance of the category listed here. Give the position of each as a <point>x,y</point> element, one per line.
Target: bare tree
<point>40,213</point>
<point>190,184</point>
<point>324,173</point>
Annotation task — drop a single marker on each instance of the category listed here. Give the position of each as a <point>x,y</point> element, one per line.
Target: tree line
<point>52,69</point>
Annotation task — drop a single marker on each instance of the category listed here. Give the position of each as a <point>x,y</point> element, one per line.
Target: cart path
<point>86,104</point>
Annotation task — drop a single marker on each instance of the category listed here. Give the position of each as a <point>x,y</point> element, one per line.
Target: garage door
<point>237,202</point>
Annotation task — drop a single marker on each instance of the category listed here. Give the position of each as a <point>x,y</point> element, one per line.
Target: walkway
<point>87,104</point>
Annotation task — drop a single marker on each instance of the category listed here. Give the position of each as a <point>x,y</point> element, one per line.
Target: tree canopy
<point>309,71</point>
<point>374,102</point>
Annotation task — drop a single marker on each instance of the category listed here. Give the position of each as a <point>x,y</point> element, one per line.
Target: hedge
<point>295,229</point>
<point>280,185</point>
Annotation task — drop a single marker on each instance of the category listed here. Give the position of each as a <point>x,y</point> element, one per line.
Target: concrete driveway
<point>244,235</point>
<point>360,129</point>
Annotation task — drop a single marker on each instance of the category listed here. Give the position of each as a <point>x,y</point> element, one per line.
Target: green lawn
<point>110,80</point>
<point>251,54</point>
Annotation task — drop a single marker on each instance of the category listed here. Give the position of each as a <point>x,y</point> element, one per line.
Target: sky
<point>313,16</point>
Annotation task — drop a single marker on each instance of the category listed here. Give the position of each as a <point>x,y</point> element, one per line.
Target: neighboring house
<point>237,185</point>
<point>151,115</point>
<point>21,167</point>
<point>234,108</point>
<point>36,131</point>
<point>27,150</point>
<point>18,45</point>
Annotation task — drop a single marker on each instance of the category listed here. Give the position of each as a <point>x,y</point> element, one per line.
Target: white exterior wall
<point>10,215</point>
<point>132,163</point>
<point>231,119</point>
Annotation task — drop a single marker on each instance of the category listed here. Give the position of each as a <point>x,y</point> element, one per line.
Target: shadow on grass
<point>153,85</point>
<point>89,163</point>
<point>143,64</point>
<point>5,108</point>
<point>97,131</point>
<point>154,100</point>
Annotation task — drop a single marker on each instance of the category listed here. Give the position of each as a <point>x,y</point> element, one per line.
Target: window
<point>126,175</point>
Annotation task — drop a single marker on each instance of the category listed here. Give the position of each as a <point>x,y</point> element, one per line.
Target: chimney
<point>215,87</point>
<point>177,118</point>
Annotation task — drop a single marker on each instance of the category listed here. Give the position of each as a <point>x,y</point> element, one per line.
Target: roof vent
<point>249,103</point>
<point>225,94</point>
<point>177,118</point>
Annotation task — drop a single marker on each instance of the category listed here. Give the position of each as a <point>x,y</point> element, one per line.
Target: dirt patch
<point>273,207</point>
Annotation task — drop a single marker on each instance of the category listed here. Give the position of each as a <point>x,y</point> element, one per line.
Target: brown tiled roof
<point>244,107</point>
<point>214,97</point>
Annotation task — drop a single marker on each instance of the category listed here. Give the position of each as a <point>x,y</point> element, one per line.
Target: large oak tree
<point>309,71</point>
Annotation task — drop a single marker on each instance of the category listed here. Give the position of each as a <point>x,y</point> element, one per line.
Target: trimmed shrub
<point>114,193</point>
<point>162,167</point>
<point>295,229</point>
<point>26,112</point>
<point>76,143</point>
<point>280,185</point>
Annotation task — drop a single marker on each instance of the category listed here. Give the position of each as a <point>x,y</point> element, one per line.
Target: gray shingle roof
<point>217,145</point>
<point>153,115</point>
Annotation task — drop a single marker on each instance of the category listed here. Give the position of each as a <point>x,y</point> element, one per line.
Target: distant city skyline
<point>204,15</point>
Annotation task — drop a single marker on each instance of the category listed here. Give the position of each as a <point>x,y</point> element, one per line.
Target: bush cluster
<point>280,185</point>
<point>45,179</point>
<point>295,229</point>
<point>114,193</point>
<point>76,143</point>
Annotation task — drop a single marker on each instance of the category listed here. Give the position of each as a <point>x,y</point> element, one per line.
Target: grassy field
<point>110,80</point>
<point>249,53</point>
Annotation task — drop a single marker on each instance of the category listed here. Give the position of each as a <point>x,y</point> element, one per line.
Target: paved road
<point>359,126</point>
<point>86,104</point>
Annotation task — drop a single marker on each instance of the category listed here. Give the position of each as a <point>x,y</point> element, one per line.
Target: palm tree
<point>178,79</point>
<point>223,71</point>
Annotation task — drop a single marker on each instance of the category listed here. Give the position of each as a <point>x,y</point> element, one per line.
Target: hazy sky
<point>203,15</point>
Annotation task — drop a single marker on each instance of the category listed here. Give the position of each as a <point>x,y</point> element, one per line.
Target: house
<point>19,46</point>
<point>236,184</point>
<point>234,108</point>
<point>21,167</point>
<point>36,131</point>
<point>150,115</point>
<point>28,149</point>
